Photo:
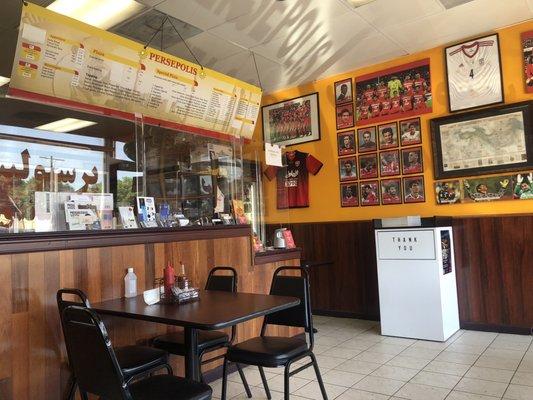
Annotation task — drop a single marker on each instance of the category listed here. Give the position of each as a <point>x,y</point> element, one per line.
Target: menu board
<point>65,62</point>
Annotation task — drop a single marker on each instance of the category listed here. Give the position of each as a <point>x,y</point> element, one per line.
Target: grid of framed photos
<point>381,164</point>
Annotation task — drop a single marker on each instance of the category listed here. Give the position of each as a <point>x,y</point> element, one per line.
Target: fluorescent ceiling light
<point>65,125</point>
<point>4,80</point>
<point>100,13</point>
<point>359,3</point>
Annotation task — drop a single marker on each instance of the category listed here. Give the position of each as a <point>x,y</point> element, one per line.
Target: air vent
<point>453,3</point>
<point>144,26</point>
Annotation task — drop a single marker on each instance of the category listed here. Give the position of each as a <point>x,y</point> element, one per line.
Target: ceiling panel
<point>386,13</point>
<point>464,21</point>
<point>288,19</point>
<point>205,14</point>
<point>530,3</point>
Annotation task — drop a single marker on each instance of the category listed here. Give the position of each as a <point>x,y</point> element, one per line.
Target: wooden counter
<point>32,354</point>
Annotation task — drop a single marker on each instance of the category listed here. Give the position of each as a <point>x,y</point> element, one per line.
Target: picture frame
<point>345,143</point>
<point>344,116</point>
<point>474,73</point>
<point>389,163</point>
<point>413,189</point>
<point>388,135</point>
<point>276,129</point>
<point>367,139</point>
<point>343,91</point>
<point>368,166</point>
<point>412,160</point>
<point>448,192</point>
<point>369,193</point>
<point>456,138</point>
<point>527,50</point>
<point>347,168</point>
<point>399,92</point>
<point>391,191</point>
<point>349,194</point>
<point>410,131</point>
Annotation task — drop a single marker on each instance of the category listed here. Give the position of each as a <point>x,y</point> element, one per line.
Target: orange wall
<point>324,188</point>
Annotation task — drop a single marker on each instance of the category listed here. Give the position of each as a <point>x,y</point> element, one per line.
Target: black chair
<point>98,371</point>
<point>208,341</point>
<point>134,361</point>
<point>275,351</point>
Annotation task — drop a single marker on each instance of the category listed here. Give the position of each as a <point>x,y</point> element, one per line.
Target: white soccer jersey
<point>474,74</point>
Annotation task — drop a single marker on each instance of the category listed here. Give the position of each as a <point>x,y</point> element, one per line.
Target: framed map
<point>497,139</point>
<point>474,74</point>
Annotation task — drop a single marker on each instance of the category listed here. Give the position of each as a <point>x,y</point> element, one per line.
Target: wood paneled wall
<point>494,262</point>
<point>32,354</point>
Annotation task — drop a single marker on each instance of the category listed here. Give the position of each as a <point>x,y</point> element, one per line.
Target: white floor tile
<point>358,366</point>
<point>379,385</point>
<point>341,378</point>
<point>387,348</point>
<point>490,374</point>
<point>415,391</point>
<point>343,352</point>
<point>519,392</point>
<point>445,367</point>
<point>436,379</point>
<point>419,352</point>
<point>252,376</point>
<point>312,391</point>
<point>392,372</point>
<point>496,362</point>
<point>458,358</point>
<point>278,383</point>
<point>373,357</point>
<point>479,386</point>
<point>523,378</point>
<point>455,395</point>
<point>408,362</point>
<point>355,394</point>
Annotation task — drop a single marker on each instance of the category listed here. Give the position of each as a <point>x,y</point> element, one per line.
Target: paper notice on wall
<point>273,155</point>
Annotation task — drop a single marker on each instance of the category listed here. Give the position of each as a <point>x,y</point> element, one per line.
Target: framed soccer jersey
<point>473,72</point>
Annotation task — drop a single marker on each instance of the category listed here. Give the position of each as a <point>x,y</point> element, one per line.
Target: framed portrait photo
<point>473,73</point>
<point>343,91</point>
<point>349,195</point>
<point>347,169</point>
<point>369,193</point>
<point>497,139</point>
<point>410,132</point>
<point>368,166</point>
<point>388,136</point>
<point>344,115</point>
<point>293,121</point>
<point>367,139</point>
<point>391,191</point>
<point>527,49</point>
<point>412,162</point>
<point>448,192</point>
<point>346,143</point>
<point>413,189</point>
<point>389,163</point>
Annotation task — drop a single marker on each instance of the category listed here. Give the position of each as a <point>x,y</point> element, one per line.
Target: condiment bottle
<point>183,281</point>
<point>168,280</point>
<point>130,284</point>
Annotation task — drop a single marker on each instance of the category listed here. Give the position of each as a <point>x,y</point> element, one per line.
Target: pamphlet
<point>146,212</point>
<point>289,241</point>
<point>238,212</point>
<point>127,217</point>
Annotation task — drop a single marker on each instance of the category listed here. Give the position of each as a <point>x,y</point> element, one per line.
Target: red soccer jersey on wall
<point>293,179</point>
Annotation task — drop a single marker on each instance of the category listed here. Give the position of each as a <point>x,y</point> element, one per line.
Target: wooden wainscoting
<point>32,354</point>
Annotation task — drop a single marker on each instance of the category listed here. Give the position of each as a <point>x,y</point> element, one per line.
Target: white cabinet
<point>417,287</point>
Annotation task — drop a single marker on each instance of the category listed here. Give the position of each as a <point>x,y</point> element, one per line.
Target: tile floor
<point>359,364</point>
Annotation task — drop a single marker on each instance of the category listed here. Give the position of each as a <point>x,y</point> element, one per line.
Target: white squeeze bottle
<point>130,284</point>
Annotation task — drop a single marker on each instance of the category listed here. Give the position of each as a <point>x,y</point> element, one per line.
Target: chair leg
<point>244,381</point>
<point>286,388</point>
<point>83,395</point>
<point>265,384</point>
<point>319,377</point>
<point>169,369</point>
<point>224,378</point>
<point>71,388</point>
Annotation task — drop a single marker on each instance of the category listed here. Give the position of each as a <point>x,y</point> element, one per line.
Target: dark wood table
<point>214,310</point>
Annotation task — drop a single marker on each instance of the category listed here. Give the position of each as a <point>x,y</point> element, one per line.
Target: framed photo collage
<point>378,165</point>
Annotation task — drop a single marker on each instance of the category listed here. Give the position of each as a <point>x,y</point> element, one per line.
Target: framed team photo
<point>368,166</point>
<point>413,190</point>
<point>389,163</point>
<point>391,191</point>
<point>343,91</point>
<point>448,192</point>
<point>388,136</point>
<point>347,169</point>
<point>346,143</point>
<point>366,139</point>
<point>369,193</point>
<point>399,92</point>
<point>527,48</point>
<point>412,162</point>
<point>410,132</point>
<point>349,195</point>
<point>497,139</point>
<point>344,114</point>
<point>293,121</point>
<point>474,74</point>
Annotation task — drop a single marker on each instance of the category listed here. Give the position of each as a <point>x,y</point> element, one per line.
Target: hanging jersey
<point>375,108</point>
<point>408,85</point>
<point>382,91</point>
<point>406,103</point>
<point>369,94</point>
<point>418,101</point>
<point>474,74</point>
<point>419,84</point>
<point>385,107</point>
<point>292,184</point>
<point>395,105</point>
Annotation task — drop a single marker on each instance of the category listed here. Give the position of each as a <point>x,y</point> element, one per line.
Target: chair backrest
<point>292,286</point>
<point>92,357</point>
<point>226,283</point>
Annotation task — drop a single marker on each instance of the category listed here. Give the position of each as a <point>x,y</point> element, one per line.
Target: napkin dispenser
<point>279,240</point>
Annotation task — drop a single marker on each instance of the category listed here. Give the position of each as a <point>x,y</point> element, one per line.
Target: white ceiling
<point>298,41</point>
